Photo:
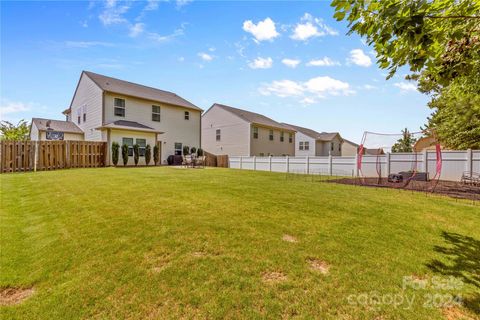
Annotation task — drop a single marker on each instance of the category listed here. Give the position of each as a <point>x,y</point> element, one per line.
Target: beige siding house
<point>312,143</point>
<point>237,132</point>
<point>47,129</point>
<point>114,110</point>
<point>349,148</point>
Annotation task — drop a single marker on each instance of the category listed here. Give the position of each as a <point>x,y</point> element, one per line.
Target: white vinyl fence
<point>454,163</point>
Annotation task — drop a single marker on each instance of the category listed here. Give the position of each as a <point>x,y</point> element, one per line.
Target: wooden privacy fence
<point>21,156</point>
<point>212,160</point>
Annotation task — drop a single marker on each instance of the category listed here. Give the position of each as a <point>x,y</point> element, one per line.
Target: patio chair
<point>187,161</point>
<point>200,161</point>
<point>471,178</point>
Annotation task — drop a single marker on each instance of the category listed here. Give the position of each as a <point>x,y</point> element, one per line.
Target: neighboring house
<point>47,129</point>
<point>113,110</point>
<point>312,143</point>
<point>237,132</point>
<point>349,148</point>
<point>429,143</point>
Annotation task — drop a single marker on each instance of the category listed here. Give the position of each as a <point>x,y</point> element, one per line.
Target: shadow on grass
<point>462,254</point>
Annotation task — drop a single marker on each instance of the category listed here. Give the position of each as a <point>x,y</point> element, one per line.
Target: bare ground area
<point>11,296</point>
<point>449,188</point>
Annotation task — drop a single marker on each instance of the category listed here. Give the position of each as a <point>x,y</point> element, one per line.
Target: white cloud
<point>406,86</point>
<point>282,88</point>
<point>369,87</point>
<point>261,63</point>
<point>136,29</point>
<point>113,13</point>
<point>9,107</point>
<point>181,3</point>
<point>358,57</point>
<point>263,30</point>
<point>205,56</point>
<point>165,38</point>
<point>318,87</point>
<point>291,63</point>
<point>151,5</point>
<point>87,44</point>
<point>309,27</point>
<point>181,59</point>
<point>324,62</point>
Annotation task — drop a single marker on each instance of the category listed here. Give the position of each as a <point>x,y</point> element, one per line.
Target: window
<point>339,148</point>
<point>156,113</point>
<point>119,107</point>
<point>84,113</point>
<point>79,115</point>
<point>129,143</point>
<point>282,136</point>
<point>142,143</point>
<point>187,115</point>
<point>306,145</point>
<point>270,135</point>
<point>255,133</point>
<point>300,145</point>
<point>331,146</point>
<point>290,138</point>
<point>78,119</point>
<point>218,135</point>
<point>178,149</point>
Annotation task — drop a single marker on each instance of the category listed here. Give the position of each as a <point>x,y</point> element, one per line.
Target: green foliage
<point>115,153</point>
<point>136,153</point>
<point>156,154</point>
<point>440,42</point>
<point>200,152</point>
<point>148,154</point>
<point>405,144</point>
<point>125,154</point>
<point>193,150</point>
<point>12,132</point>
<point>186,150</point>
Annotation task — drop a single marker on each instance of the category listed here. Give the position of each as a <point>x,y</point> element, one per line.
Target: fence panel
<point>20,156</point>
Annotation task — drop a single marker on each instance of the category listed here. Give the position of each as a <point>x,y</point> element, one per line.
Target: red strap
<point>439,158</point>
<point>359,158</point>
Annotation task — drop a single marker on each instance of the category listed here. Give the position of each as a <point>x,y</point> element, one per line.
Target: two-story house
<point>113,110</point>
<point>309,142</point>
<point>237,132</point>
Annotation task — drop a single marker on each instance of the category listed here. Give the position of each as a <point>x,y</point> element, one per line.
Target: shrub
<point>136,153</point>
<point>156,154</point>
<point>186,150</point>
<point>125,154</point>
<point>200,152</point>
<point>193,150</point>
<point>115,153</point>
<point>148,154</point>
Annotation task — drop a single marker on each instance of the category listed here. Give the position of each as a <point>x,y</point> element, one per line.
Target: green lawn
<point>177,243</point>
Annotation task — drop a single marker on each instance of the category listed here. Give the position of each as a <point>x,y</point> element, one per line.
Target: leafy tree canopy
<point>404,144</point>
<point>18,132</point>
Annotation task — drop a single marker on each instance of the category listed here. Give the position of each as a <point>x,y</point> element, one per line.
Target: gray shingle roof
<point>128,125</point>
<point>137,90</point>
<point>324,136</point>
<point>56,125</point>
<point>253,117</point>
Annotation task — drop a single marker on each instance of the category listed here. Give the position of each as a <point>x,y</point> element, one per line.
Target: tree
<point>156,154</point>
<point>115,151</point>
<point>148,154</point>
<point>193,150</point>
<point>18,132</point>
<point>186,150</point>
<point>136,153</point>
<point>440,42</point>
<point>200,152</point>
<point>404,144</point>
<point>125,154</point>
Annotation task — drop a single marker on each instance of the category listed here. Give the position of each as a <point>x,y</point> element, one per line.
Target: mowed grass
<point>184,243</point>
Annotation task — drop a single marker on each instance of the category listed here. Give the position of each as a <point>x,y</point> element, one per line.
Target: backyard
<point>223,243</point>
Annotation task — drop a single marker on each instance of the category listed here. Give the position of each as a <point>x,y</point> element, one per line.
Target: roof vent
<point>48,123</point>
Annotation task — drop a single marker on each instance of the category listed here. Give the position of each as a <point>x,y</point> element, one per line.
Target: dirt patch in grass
<point>455,313</point>
<point>319,265</point>
<point>12,296</point>
<point>273,276</point>
<point>199,254</point>
<point>289,238</point>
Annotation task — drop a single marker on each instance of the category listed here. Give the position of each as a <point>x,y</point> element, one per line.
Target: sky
<point>290,61</point>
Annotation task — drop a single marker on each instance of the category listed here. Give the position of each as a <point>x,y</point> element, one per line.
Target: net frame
<point>438,168</point>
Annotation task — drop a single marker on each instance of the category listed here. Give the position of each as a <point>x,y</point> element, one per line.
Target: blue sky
<point>288,60</point>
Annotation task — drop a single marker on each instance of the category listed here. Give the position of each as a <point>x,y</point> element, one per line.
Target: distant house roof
<point>56,125</point>
<point>253,117</point>
<point>139,91</point>
<point>323,136</point>
<point>351,142</point>
<point>128,125</point>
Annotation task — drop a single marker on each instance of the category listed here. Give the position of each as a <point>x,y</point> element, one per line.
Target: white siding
<point>300,137</point>
<point>235,133</point>
<point>88,95</point>
<point>34,132</point>
<point>172,122</point>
